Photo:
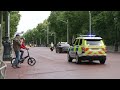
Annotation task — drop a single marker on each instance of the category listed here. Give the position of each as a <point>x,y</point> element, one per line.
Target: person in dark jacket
<point>16,47</point>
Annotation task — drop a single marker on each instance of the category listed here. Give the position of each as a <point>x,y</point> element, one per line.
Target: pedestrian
<point>16,47</point>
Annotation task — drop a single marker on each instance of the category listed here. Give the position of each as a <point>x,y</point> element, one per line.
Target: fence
<point>112,48</point>
<point>2,70</point>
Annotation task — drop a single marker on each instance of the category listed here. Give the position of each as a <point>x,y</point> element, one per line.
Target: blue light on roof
<point>87,35</point>
<point>91,35</point>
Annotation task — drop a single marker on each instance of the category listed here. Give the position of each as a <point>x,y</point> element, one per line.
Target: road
<point>51,65</point>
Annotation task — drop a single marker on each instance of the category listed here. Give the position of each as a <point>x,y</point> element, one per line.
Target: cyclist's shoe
<point>22,61</point>
<point>17,66</point>
<point>21,58</point>
<point>14,66</point>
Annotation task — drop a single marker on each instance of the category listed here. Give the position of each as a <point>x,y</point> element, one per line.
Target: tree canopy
<point>14,21</point>
<point>105,24</point>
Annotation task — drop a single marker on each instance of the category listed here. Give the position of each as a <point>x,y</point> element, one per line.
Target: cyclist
<point>22,47</point>
<point>52,46</point>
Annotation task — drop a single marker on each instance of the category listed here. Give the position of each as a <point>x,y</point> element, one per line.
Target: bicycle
<point>31,61</point>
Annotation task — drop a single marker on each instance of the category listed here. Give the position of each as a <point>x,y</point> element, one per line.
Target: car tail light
<point>104,49</point>
<point>84,49</point>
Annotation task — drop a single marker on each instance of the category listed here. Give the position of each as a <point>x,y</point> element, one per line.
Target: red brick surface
<point>51,65</point>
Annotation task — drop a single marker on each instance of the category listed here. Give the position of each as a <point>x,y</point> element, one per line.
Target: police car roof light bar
<point>87,35</point>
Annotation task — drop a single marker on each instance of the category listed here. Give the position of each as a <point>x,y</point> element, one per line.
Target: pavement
<point>111,49</point>
<point>51,65</point>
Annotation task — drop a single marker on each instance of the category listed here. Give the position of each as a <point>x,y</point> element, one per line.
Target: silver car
<point>62,47</point>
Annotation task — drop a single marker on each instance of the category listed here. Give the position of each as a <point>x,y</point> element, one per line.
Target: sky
<point>30,19</point>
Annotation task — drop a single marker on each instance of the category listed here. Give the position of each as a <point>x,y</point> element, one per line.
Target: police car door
<point>80,47</point>
<point>76,46</point>
<point>71,52</point>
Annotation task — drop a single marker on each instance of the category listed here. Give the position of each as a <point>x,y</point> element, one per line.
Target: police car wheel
<point>69,58</point>
<point>102,61</point>
<point>78,59</point>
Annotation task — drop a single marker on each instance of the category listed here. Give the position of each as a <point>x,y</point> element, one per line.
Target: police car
<point>87,47</point>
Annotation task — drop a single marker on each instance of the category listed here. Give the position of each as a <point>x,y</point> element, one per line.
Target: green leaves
<point>14,20</point>
<point>104,24</point>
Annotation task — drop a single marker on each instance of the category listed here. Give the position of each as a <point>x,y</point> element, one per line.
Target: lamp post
<point>47,35</point>
<point>1,19</point>
<point>116,39</point>
<point>40,41</point>
<point>90,22</point>
<point>46,32</point>
<point>67,29</point>
<point>54,38</point>
<point>6,42</point>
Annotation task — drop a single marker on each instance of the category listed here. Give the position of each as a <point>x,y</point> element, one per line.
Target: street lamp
<point>40,35</point>
<point>116,40</point>
<point>1,20</point>
<point>40,41</point>
<point>67,29</point>
<point>6,42</point>
<point>47,34</point>
<point>54,38</point>
<point>90,22</point>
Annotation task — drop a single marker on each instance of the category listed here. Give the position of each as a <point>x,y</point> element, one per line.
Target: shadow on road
<point>88,63</point>
<point>62,53</point>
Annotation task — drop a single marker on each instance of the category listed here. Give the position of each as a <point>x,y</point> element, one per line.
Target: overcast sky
<point>30,19</point>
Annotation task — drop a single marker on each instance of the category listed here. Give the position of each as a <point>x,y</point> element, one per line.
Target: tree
<point>14,20</point>
<point>104,25</point>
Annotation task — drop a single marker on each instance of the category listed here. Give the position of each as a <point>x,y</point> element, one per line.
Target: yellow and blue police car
<point>87,47</point>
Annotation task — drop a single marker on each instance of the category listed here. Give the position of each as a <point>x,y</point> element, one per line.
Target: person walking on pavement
<point>16,47</point>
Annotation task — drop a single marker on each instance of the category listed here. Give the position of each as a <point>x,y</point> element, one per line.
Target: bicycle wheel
<point>31,61</point>
<point>12,61</point>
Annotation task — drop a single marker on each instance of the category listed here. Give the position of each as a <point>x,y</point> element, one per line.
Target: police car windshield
<point>94,42</point>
